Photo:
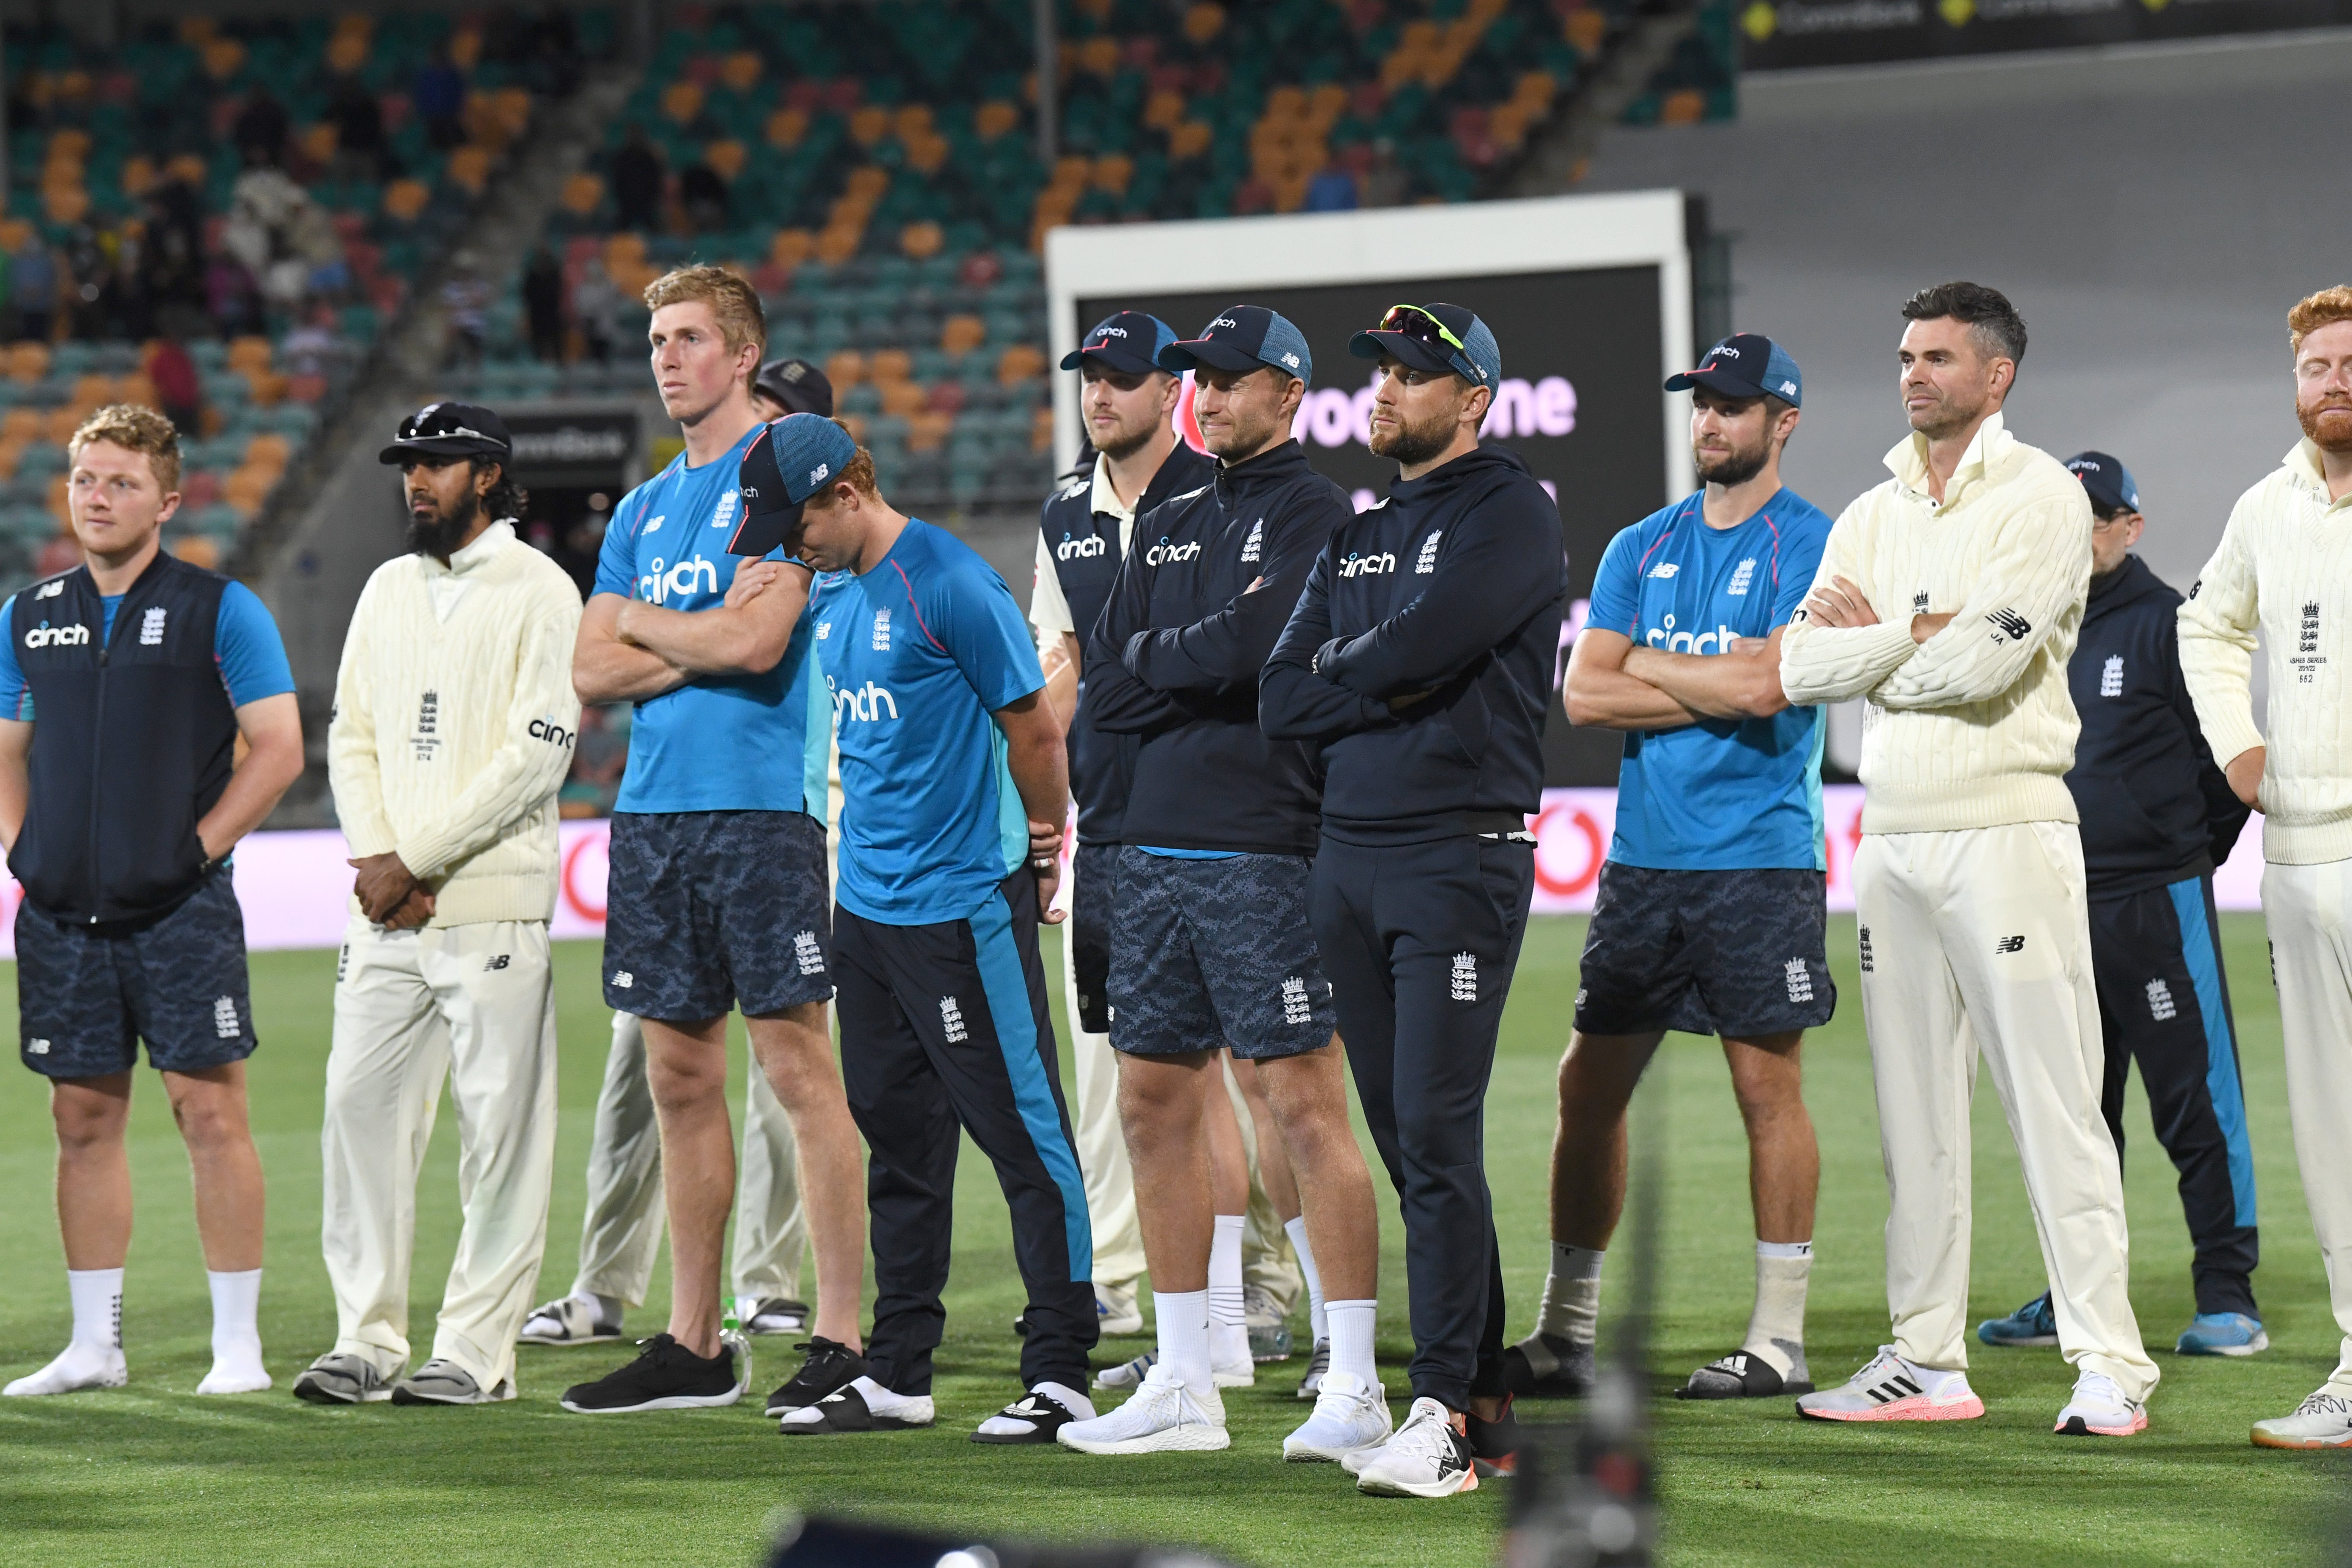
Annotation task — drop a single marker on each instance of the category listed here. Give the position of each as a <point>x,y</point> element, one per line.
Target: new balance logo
<point>823,630</point>
<point>1741,576</point>
<point>1899,1387</point>
<point>1465,977</point>
<point>37,1047</point>
<point>224,1019</point>
<point>1799,980</point>
<point>2010,944</point>
<point>151,628</point>
<point>806,951</point>
<point>622,980</point>
<point>2008,625</point>
<point>881,631</point>
<point>2111,676</point>
<point>1296,1009</point>
<point>49,590</point>
<point>1866,965</point>
<point>951,1021</point>
<point>1253,547</point>
<point>1428,562</point>
<point>497,962</point>
<point>2160,1006</point>
<point>1665,568</point>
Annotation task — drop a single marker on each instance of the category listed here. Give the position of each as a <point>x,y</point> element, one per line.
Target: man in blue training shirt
<point>953,779</point>
<point>118,807</point>
<point>1712,906</point>
<point>718,892</point>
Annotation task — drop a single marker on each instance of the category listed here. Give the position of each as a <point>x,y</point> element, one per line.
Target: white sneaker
<point>1425,1456</point>
<point>1117,1311</point>
<point>2098,1409</point>
<point>1230,1362</point>
<point>1349,1416</point>
<point>78,1366</point>
<point>2322,1421</point>
<point>238,1371</point>
<point>1892,1389</point>
<point>1318,1364</point>
<point>1162,1417</point>
<point>1128,1374</point>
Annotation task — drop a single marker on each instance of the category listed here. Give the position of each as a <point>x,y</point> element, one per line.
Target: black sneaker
<point>1495,1445</point>
<point>667,1377</point>
<point>831,1367</point>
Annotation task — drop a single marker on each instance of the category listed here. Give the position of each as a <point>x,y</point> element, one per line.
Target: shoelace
<point>2325,1404</point>
<point>2098,1385</point>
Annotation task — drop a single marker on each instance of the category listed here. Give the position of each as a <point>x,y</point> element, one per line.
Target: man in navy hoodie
<point>1420,658</point>
<point>2157,817</point>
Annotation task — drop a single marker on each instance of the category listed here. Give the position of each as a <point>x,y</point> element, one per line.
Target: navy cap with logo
<point>2112,489</point>
<point>445,431</point>
<point>795,386</point>
<point>1746,365</point>
<point>1436,337</point>
<point>1242,338</point>
<point>788,462</point>
<point>1129,340</point>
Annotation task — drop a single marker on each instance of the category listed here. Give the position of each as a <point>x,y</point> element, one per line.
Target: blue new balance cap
<point>2110,484</point>
<point>1437,337</point>
<point>1129,340</point>
<point>1242,338</point>
<point>1746,365</point>
<point>787,463</point>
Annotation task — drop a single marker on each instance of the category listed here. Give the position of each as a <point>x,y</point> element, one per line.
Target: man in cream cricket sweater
<point>452,729</point>
<point>2285,567</point>
<point>1974,930</point>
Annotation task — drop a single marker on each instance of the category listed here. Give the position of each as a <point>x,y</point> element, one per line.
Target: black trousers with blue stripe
<point>2164,1001</point>
<point>945,1027</point>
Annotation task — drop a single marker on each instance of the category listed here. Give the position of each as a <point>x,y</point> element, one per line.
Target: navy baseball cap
<point>1746,365</point>
<point>1129,340</point>
<point>2110,484</point>
<point>1438,338</point>
<point>786,464</point>
<point>795,386</point>
<point>445,431</point>
<point>1242,338</point>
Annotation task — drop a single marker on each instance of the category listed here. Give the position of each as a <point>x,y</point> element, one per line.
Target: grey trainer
<point>439,1382</point>
<point>339,1377</point>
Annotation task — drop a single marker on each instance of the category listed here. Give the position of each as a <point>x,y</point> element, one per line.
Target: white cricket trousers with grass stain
<point>1978,940</point>
<point>2306,909</point>
<point>474,1004</point>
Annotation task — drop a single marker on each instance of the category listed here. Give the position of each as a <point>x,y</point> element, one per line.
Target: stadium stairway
<point>341,517</point>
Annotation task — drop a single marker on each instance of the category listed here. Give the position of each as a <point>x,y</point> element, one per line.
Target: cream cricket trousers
<point>2305,909</point>
<point>475,1005</point>
<point>623,1229</point>
<point>1979,941</point>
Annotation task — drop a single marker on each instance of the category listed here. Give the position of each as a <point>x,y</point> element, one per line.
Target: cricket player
<point>1968,883</point>
<point>1713,910</point>
<point>127,683</point>
<point>2284,568</point>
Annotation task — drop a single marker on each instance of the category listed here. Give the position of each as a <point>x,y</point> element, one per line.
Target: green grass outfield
<point>149,1475</point>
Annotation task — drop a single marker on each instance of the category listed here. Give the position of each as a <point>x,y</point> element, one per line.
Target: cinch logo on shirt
<point>693,575</point>
<point>881,631</point>
<point>1665,568</point>
<point>547,730</point>
<point>1164,552</point>
<point>150,629</point>
<point>1672,641</point>
<point>1357,565</point>
<point>1072,549</point>
<point>58,637</point>
<point>863,703</point>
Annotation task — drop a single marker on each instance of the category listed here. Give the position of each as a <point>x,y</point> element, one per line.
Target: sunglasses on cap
<point>1412,321</point>
<point>441,424</point>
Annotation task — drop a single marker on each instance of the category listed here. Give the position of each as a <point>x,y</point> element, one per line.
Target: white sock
<point>1776,1331</point>
<point>1351,1338</point>
<point>1061,1394</point>
<point>96,1296</point>
<point>1225,1273</point>
<point>237,1300</point>
<point>1572,1294</point>
<point>1315,1305</point>
<point>1184,1320</point>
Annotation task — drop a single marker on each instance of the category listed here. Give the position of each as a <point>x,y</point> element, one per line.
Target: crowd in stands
<point>217,217</point>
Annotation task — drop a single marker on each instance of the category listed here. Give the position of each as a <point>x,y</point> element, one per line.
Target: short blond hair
<point>733,302</point>
<point>2317,311</point>
<point>136,429</point>
<point>858,473</point>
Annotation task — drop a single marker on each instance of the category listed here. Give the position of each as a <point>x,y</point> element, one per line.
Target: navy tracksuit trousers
<point>2164,1001</point>
<point>1419,941</point>
<point>945,1027</point>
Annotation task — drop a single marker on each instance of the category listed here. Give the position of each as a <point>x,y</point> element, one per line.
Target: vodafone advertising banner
<point>295,887</point>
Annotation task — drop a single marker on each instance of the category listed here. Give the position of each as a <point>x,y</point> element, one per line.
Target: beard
<point>437,536</point>
<point>1950,416</point>
<point>2327,422</point>
<point>1412,444</point>
<point>1735,467</point>
<point>1129,439</point>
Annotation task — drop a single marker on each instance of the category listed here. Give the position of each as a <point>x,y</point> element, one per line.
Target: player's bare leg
<point>795,1051</point>
<point>685,1065</point>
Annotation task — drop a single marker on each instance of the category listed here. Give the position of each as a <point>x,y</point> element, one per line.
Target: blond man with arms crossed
<point>452,729</point>
<point>1975,918</point>
<point>2285,566</point>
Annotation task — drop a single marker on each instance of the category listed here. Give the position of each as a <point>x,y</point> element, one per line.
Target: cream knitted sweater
<point>455,722</point>
<point>1972,728</point>
<point>2284,565</point>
